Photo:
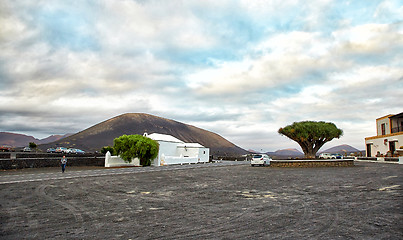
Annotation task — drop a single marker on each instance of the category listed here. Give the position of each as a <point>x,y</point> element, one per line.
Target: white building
<point>175,151</point>
<point>171,151</point>
<point>389,136</point>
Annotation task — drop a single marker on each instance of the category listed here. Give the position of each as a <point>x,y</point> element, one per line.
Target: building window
<point>383,129</point>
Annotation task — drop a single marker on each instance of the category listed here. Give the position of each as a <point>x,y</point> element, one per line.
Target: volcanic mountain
<point>341,149</point>
<point>102,134</point>
<point>21,140</point>
<point>288,152</point>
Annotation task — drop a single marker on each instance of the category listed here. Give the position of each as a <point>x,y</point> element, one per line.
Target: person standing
<point>64,162</point>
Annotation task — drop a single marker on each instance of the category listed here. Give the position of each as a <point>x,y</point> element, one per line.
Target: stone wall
<point>312,163</point>
<point>6,164</point>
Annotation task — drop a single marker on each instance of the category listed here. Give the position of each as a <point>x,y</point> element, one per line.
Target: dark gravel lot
<point>227,202</point>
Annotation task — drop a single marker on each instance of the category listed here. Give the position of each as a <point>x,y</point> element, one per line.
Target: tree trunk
<point>309,150</point>
<point>310,153</point>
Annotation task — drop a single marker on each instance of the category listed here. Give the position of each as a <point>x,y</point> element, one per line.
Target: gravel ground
<point>223,202</point>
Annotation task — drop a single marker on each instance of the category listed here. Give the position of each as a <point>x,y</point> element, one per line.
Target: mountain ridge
<point>21,140</point>
<point>103,133</point>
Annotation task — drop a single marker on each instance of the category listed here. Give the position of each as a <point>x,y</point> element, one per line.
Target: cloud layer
<point>239,68</point>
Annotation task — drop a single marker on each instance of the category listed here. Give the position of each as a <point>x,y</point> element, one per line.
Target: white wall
<point>204,154</point>
<point>116,161</point>
<point>170,160</point>
<point>378,144</point>
<point>187,151</point>
<point>385,121</point>
<point>166,148</point>
<point>170,153</point>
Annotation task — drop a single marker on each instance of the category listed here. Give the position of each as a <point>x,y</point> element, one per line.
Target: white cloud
<point>242,69</point>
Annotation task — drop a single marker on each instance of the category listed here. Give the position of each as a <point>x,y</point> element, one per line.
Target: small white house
<point>175,151</point>
<point>171,151</point>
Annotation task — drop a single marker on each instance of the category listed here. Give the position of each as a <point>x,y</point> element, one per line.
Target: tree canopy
<point>311,135</point>
<point>136,146</point>
<point>32,145</point>
<point>106,149</point>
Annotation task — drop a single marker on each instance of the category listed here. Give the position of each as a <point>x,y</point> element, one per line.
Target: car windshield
<point>257,156</point>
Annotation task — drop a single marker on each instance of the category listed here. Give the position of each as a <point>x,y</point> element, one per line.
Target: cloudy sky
<point>242,69</point>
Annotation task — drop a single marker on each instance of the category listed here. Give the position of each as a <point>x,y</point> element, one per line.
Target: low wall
<point>5,155</point>
<point>116,161</point>
<point>6,164</point>
<point>312,163</point>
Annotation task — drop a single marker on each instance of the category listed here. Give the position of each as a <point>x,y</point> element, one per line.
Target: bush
<point>136,146</point>
<point>110,149</point>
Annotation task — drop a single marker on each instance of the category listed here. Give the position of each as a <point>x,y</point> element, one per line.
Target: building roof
<point>399,115</point>
<point>164,138</point>
<point>387,116</point>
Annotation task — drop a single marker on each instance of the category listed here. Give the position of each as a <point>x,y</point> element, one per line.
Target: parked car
<point>75,150</point>
<point>69,150</point>
<point>330,156</point>
<point>326,156</point>
<point>26,149</point>
<point>61,150</point>
<point>260,159</point>
<point>5,148</point>
<point>78,151</point>
<point>337,156</point>
<point>51,150</point>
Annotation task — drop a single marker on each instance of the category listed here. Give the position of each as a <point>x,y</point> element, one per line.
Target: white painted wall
<point>378,144</point>
<point>204,155</point>
<point>170,154</point>
<point>116,161</point>
<point>166,149</point>
<point>379,123</point>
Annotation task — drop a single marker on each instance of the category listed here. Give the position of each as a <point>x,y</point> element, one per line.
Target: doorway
<point>392,146</point>
<point>369,150</point>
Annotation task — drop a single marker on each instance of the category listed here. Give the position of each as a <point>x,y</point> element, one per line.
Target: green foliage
<point>32,145</point>
<point>311,135</point>
<point>106,149</point>
<point>136,146</point>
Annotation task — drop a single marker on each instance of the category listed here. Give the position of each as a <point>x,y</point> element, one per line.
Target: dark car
<point>337,156</point>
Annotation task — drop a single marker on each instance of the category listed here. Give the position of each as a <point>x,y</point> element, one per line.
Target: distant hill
<point>102,134</point>
<point>21,140</point>
<point>53,138</point>
<point>290,152</point>
<point>341,149</point>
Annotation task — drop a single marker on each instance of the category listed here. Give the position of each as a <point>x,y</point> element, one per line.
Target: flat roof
<point>191,145</point>
<point>399,115</point>
<point>164,137</point>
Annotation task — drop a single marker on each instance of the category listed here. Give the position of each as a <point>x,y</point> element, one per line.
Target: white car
<point>260,159</point>
<point>26,149</point>
<point>61,150</point>
<point>326,156</point>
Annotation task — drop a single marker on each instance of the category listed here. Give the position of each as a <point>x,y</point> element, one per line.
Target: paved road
<point>19,176</point>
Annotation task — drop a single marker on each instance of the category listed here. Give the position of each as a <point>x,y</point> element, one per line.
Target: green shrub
<point>136,146</point>
<point>106,149</point>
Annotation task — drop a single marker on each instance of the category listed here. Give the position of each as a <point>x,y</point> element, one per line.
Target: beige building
<point>389,136</point>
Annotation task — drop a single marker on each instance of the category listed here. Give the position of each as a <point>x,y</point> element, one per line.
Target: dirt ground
<point>223,202</point>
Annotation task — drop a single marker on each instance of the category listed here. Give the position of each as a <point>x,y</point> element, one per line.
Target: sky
<point>241,69</point>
